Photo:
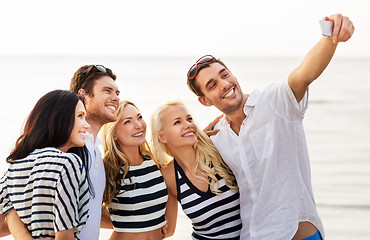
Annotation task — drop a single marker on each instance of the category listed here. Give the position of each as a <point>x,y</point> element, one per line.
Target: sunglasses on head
<point>193,71</point>
<point>101,68</point>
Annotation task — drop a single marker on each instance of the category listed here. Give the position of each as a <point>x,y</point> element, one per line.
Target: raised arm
<point>320,55</point>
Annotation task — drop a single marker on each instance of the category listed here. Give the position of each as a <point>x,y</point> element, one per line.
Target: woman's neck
<point>133,155</point>
<point>185,157</point>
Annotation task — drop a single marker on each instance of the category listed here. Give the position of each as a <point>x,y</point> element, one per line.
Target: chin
<point>110,119</point>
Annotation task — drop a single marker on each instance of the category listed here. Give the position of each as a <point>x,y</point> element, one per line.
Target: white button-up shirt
<point>270,161</point>
<point>97,177</point>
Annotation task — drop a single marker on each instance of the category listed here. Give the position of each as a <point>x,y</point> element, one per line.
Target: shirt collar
<point>90,141</point>
<point>251,102</point>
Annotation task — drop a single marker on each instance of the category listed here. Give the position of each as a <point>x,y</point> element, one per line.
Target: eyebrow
<point>176,118</point>
<point>110,88</point>
<point>188,115</point>
<point>131,117</point>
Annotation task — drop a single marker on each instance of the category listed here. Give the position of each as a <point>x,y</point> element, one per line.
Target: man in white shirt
<point>261,138</point>
<point>96,84</point>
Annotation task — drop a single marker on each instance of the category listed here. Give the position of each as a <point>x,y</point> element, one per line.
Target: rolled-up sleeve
<point>71,198</point>
<point>5,203</point>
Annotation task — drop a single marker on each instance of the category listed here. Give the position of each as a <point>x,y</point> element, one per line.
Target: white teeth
<point>138,134</point>
<point>188,134</point>
<point>230,93</point>
<point>113,108</point>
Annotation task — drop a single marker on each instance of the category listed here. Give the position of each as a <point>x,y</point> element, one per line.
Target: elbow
<point>300,78</point>
<point>169,233</point>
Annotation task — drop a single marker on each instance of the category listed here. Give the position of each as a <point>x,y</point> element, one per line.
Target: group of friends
<point>246,176</point>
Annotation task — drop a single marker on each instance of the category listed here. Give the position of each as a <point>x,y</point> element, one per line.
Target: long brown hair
<point>114,158</point>
<point>49,124</point>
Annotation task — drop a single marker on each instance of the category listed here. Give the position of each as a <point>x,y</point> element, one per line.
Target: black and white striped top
<point>49,191</point>
<point>213,216</point>
<point>140,207</point>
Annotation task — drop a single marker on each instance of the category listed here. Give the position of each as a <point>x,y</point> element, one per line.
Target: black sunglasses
<point>193,71</point>
<point>101,68</point>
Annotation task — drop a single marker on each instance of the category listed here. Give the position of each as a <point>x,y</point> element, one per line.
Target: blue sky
<point>171,27</point>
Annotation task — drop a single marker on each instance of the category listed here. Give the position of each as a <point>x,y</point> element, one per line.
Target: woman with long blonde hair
<point>135,193</point>
<point>195,174</point>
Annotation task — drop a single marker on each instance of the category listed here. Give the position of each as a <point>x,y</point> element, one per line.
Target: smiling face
<point>178,129</point>
<point>102,105</point>
<point>77,137</point>
<point>130,130</point>
<point>220,88</point>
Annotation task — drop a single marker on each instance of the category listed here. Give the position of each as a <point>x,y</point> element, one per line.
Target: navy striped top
<point>49,191</point>
<point>213,216</point>
<point>141,203</point>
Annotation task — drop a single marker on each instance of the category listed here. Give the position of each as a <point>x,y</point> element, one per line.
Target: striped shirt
<point>213,216</point>
<point>140,206</point>
<point>49,191</point>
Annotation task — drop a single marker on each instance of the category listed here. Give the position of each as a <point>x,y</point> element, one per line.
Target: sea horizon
<point>336,123</point>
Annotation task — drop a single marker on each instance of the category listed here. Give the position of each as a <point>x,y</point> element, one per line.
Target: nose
<point>115,97</point>
<point>188,124</point>
<point>224,84</point>
<point>138,124</point>
<point>86,125</point>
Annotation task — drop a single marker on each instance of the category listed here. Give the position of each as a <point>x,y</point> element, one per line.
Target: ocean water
<point>337,122</point>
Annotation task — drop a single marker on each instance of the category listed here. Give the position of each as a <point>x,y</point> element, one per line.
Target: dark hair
<point>85,77</point>
<point>50,124</point>
<point>193,86</point>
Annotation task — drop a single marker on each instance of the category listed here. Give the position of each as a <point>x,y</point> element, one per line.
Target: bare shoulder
<point>168,173</point>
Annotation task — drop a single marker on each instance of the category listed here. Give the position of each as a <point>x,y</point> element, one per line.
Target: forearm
<point>67,234</point>
<point>4,231</point>
<point>171,214</point>
<point>315,62</point>
<point>105,221</point>
<point>16,226</point>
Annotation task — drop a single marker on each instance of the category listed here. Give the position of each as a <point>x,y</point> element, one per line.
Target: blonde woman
<point>135,192</point>
<point>197,176</point>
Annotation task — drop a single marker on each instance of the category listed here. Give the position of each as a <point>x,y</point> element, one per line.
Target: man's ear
<point>204,101</point>
<point>161,138</point>
<point>81,92</point>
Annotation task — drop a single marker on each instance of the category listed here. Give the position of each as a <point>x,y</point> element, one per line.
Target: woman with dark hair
<point>46,180</point>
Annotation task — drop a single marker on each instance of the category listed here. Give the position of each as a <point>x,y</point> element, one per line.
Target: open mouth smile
<point>230,92</point>
<point>188,134</point>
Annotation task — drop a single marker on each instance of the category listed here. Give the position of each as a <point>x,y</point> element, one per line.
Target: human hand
<point>342,27</point>
<point>164,230</point>
<point>209,129</point>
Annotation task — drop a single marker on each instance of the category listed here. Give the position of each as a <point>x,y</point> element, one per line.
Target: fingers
<point>164,230</point>
<point>343,28</point>
<point>211,132</point>
<point>337,23</point>
<point>212,124</point>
